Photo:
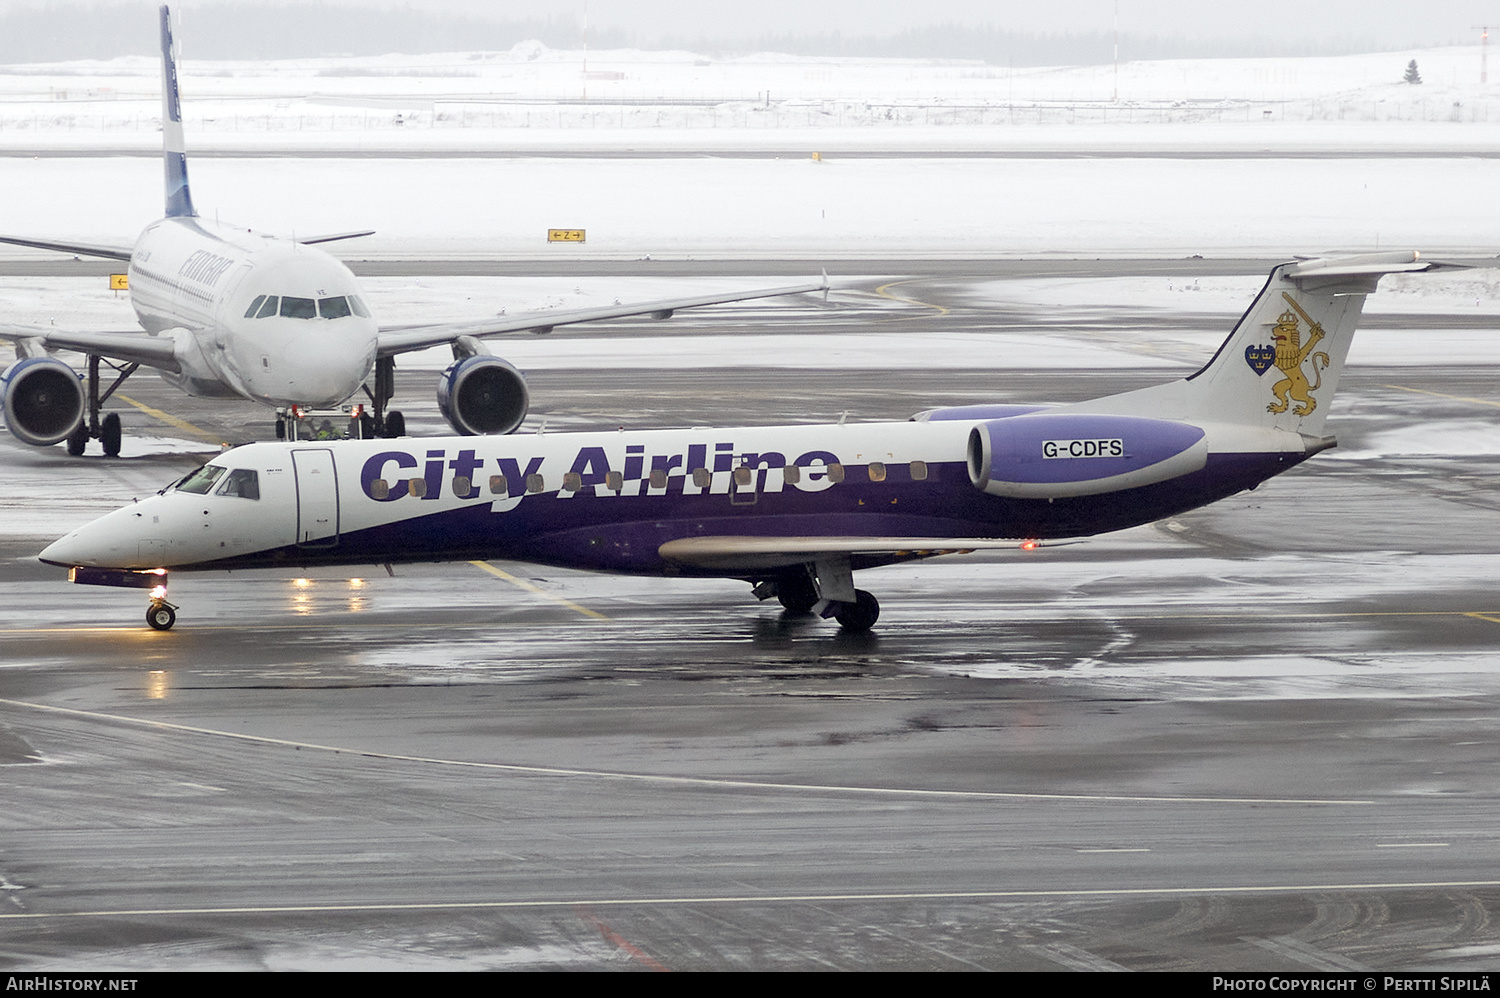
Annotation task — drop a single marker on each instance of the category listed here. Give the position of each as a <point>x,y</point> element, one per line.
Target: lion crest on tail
<point>1291,354</point>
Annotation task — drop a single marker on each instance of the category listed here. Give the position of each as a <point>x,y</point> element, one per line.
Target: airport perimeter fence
<point>314,116</point>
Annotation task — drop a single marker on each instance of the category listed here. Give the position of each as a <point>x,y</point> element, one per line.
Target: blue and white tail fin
<point>1281,365</point>
<point>174,149</point>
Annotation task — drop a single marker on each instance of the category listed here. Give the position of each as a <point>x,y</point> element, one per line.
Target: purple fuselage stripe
<point>624,534</point>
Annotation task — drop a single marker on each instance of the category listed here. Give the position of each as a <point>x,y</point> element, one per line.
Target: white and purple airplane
<point>793,510</point>
<point>226,312</point>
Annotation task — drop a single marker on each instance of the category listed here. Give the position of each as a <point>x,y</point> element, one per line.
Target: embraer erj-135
<point>231,313</point>
<point>793,510</point>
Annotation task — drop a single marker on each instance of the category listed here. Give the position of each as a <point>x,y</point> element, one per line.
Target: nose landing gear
<point>161,615</point>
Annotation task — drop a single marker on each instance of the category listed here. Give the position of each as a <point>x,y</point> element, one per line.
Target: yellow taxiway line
<point>523,584</point>
<point>170,420</point>
<point>1441,395</point>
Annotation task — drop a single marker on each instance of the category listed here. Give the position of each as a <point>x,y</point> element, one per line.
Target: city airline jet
<point>232,313</point>
<point>793,510</point>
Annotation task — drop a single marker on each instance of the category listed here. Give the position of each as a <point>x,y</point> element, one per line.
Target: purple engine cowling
<point>1057,455</point>
<point>43,400</point>
<point>483,394</point>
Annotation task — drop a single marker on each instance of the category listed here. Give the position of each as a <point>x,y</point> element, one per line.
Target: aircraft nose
<point>327,370</point>
<point>112,541</point>
<point>81,547</point>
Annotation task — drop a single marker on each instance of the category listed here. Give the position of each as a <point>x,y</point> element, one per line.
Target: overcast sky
<point>952,28</point>
<point>1401,21</point>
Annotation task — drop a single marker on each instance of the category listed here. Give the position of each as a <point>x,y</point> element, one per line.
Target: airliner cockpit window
<point>241,482</point>
<point>333,308</point>
<point>358,304</point>
<point>299,308</point>
<point>250,312</point>
<point>200,481</point>
<point>269,308</point>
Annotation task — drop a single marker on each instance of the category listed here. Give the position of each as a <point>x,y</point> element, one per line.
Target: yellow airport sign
<point>119,282</point>
<point>565,235</point>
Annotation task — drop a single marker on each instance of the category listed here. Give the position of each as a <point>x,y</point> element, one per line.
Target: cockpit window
<point>269,308</point>
<point>200,481</point>
<point>250,312</point>
<point>241,482</point>
<point>333,308</point>
<point>358,304</point>
<point>299,308</point>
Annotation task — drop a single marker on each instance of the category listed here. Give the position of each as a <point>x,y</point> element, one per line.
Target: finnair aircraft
<point>232,313</point>
<point>793,510</point>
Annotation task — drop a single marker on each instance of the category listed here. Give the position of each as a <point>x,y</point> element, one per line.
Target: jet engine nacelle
<point>483,394</point>
<point>1058,455</point>
<point>43,400</point>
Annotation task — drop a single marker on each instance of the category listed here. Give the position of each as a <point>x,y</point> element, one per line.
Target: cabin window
<point>269,308</point>
<point>743,475</point>
<point>380,489</point>
<point>658,479</point>
<point>417,487</point>
<point>499,486</point>
<point>614,481</point>
<point>535,483</point>
<point>702,477</point>
<point>462,486</point>
<point>572,481</point>
<point>877,471</point>
<point>835,473</point>
<point>241,482</point>
<point>358,304</point>
<point>791,474</point>
<point>919,471</point>
<point>200,481</point>
<point>333,308</point>
<point>299,308</point>
<point>255,306</point>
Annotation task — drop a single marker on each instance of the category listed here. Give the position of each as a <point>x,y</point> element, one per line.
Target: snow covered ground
<point>679,155</point>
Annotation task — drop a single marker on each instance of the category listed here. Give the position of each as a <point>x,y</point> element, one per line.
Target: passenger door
<point>317,498</point>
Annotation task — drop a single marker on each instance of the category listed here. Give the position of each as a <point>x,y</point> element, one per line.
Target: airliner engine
<point>483,394</point>
<point>43,400</point>
<point>1058,455</point>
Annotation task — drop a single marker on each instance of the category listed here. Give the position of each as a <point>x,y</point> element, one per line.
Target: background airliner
<point>232,313</point>
<point>793,510</point>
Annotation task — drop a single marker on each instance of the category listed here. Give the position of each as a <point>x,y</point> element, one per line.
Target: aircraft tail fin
<point>1281,365</point>
<point>174,148</point>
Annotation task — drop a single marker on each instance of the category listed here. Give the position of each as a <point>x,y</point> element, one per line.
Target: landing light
<point>159,592</point>
<point>302,583</point>
<point>1028,545</point>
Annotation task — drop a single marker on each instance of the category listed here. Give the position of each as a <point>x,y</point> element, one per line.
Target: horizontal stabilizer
<point>756,553</point>
<point>80,249</point>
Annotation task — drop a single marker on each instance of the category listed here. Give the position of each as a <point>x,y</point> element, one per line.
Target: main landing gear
<point>386,424</point>
<point>825,588</point>
<point>106,430</point>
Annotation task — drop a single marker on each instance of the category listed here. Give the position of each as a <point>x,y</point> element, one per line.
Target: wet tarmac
<point>1259,736</point>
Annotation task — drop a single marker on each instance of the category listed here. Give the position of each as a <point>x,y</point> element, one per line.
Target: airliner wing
<point>81,249</point>
<point>394,341</point>
<point>335,237</point>
<point>734,554</point>
<point>136,347</point>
